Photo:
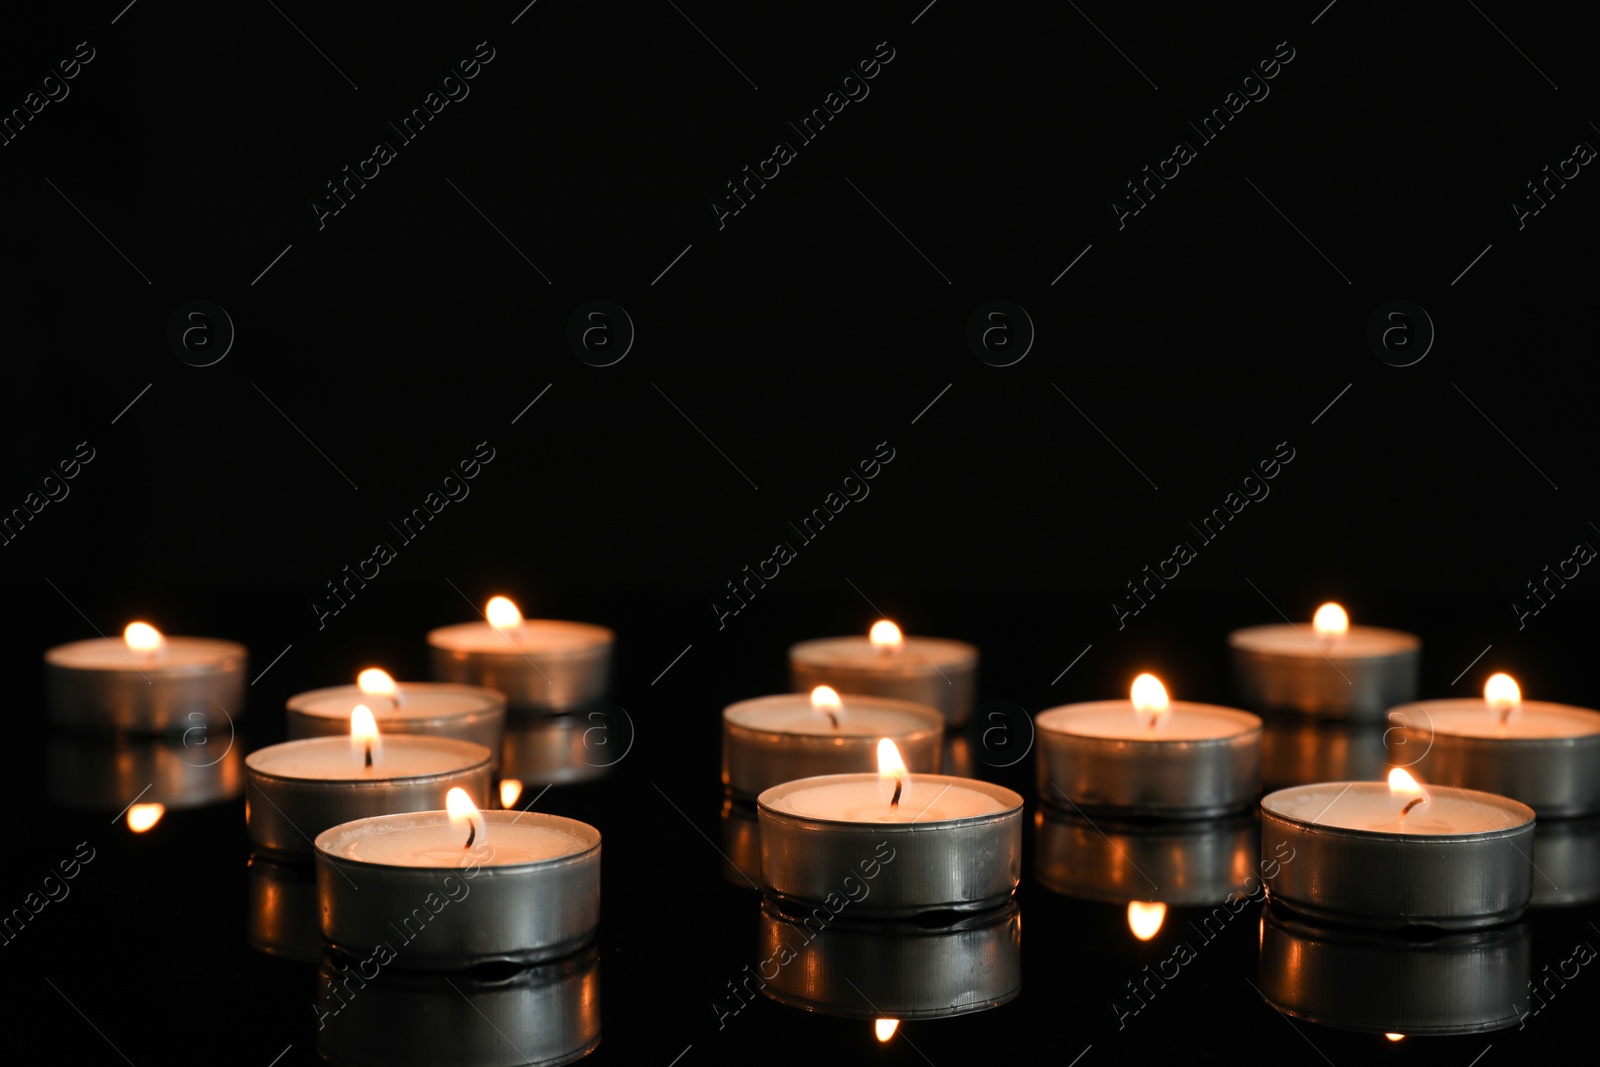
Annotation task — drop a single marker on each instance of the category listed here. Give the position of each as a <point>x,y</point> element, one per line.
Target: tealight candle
<point>1149,756</point>
<point>1545,755</point>
<point>1399,854</point>
<point>924,670</point>
<point>775,739</point>
<point>300,788</point>
<point>145,682</point>
<point>938,843</point>
<point>423,709</point>
<point>541,665</point>
<point>460,886</point>
<point>1329,669</point>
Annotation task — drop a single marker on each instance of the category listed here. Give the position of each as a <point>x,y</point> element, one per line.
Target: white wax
<point>544,636</point>
<point>113,654</point>
<point>1116,719</point>
<point>438,844</point>
<point>1474,718</point>
<point>916,655</point>
<point>329,759</point>
<point>418,700</point>
<point>1302,639</point>
<point>861,798</point>
<point>1370,806</point>
<point>859,716</point>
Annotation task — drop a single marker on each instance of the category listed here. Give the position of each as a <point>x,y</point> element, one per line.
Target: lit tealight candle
<point>144,683</point>
<point>935,671</point>
<point>775,739</point>
<point>1149,756</point>
<point>1545,755</point>
<point>300,788</point>
<point>1399,853</point>
<point>411,881</point>
<point>541,665</point>
<point>1330,669</point>
<point>815,831</point>
<point>423,709</point>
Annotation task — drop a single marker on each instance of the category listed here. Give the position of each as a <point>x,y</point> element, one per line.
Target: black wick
<point>472,835</point>
<point>369,755</point>
<point>894,801</point>
<point>1414,802</point>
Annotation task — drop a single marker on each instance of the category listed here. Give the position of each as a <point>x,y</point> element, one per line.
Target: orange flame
<point>143,816</point>
<point>885,636</point>
<point>502,613</point>
<point>1145,919</point>
<point>465,818</point>
<point>1330,621</point>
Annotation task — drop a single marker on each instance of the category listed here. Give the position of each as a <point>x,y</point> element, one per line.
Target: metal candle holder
<point>284,813</point>
<point>934,671</point>
<point>534,681</point>
<point>756,757</point>
<point>899,970</point>
<point>1169,778</point>
<point>1566,862</point>
<point>1323,682</point>
<point>1296,750</point>
<point>1557,777</point>
<point>1384,879</point>
<point>520,913</point>
<point>1458,983</point>
<point>426,709</point>
<point>139,694</point>
<point>962,864</point>
<point>540,1016</point>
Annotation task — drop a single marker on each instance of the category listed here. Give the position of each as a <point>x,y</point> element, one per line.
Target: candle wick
<point>894,801</point>
<point>1413,803</point>
<point>369,755</point>
<point>472,835</point>
<point>834,719</point>
<point>1505,714</point>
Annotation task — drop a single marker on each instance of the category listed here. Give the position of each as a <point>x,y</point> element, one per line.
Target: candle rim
<point>932,719</point>
<point>225,650</point>
<point>599,638</point>
<point>1009,797</point>
<point>1475,797</point>
<point>590,835</point>
<point>493,701</point>
<point>1251,724</point>
<point>1469,705</point>
<point>358,776</point>
<point>1336,647</point>
<point>909,659</point>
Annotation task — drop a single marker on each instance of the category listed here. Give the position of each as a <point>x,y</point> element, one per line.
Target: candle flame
<point>377,683</point>
<point>502,613</point>
<point>1150,698</point>
<point>885,1028</point>
<point>1404,787</point>
<point>891,770</point>
<point>366,743</point>
<point>885,636</point>
<point>510,790</point>
<point>1395,1037</point>
<point>465,816</point>
<point>1145,919</point>
<point>143,816</point>
<point>1330,621</point>
<point>142,637</point>
<point>1503,695</point>
<point>825,699</point>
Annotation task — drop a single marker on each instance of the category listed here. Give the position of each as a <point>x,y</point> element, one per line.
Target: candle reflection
<point>142,817</point>
<point>1145,918</point>
<point>1152,865</point>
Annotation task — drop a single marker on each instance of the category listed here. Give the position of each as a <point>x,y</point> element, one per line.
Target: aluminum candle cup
<point>528,890</point>
<point>560,749</point>
<point>1179,863</point>
<point>533,1017</point>
<point>1296,750</point>
<point>776,739</point>
<point>1357,676</point>
<point>102,685</point>
<point>934,671</point>
<point>884,968</point>
<point>1203,762</point>
<point>283,919</point>
<point>1460,860</point>
<point>1457,983</point>
<point>542,666</point>
<point>110,773</point>
<point>424,709</point>
<point>298,789</point>
<point>741,844</point>
<point>1547,755</point>
<point>950,844</point>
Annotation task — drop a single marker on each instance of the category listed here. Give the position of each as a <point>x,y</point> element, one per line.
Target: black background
<point>381,348</point>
